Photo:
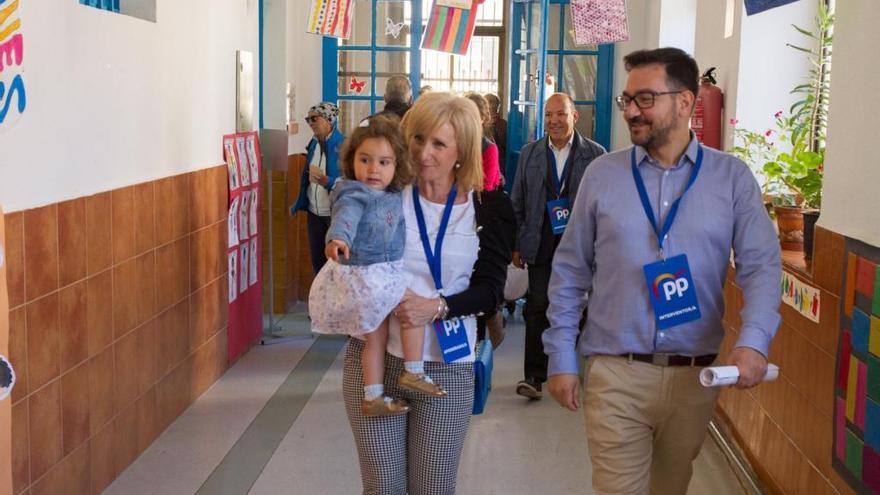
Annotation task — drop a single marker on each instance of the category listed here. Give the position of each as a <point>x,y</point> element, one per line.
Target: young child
<point>364,279</point>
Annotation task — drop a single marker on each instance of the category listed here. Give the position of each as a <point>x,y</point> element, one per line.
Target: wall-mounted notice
<point>244,168</point>
<point>800,296</point>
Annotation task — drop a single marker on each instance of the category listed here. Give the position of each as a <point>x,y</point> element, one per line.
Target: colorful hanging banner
<point>599,21</point>
<point>450,29</point>
<point>805,299</point>
<point>331,18</point>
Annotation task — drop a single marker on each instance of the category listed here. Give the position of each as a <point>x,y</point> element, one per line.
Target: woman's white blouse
<point>458,256</point>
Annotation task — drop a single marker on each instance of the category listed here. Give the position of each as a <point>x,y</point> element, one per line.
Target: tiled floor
<point>515,447</point>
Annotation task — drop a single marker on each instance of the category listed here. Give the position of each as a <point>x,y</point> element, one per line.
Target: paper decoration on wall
<point>253,270</point>
<point>856,449</point>
<point>393,28</point>
<point>331,18</point>
<point>233,275</point>
<point>252,158</point>
<point>7,378</point>
<point>254,217</point>
<point>356,86</point>
<point>244,212</point>
<point>805,299</point>
<point>458,4</point>
<point>243,161</point>
<point>757,6</point>
<point>450,29</point>
<point>13,94</point>
<point>232,224</point>
<point>243,268</point>
<point>231,163</point>
<point>599,21</point>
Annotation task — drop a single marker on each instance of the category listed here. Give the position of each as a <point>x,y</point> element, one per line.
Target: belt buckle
<point>660,359</point>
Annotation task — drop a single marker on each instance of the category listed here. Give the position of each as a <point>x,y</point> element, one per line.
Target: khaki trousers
<point>645,425</point>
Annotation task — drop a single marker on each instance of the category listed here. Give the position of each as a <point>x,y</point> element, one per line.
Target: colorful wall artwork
<point>807,300</point>
<point>331,18</point>
<point>856,450</point>
<point>13,95</point>
<point>450,29</point>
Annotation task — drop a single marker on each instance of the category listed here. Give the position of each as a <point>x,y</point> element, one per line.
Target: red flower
<point>768,133</point>
<point>777,114</point>
<point>733,121</point>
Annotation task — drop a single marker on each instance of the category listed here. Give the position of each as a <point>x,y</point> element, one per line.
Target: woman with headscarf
<point>318,177</point>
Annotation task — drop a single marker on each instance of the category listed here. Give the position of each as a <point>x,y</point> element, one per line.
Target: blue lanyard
<point>558,181</point>
<point>433,256</point>
<point>646,203</point>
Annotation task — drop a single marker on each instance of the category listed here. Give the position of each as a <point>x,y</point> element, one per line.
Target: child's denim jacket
<point>369,221</point>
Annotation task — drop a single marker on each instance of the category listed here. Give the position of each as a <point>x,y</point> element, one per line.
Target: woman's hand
<point>334,248</point>
<point>416,311</point>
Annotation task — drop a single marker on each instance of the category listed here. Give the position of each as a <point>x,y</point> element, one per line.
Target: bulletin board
<point>244,250</point>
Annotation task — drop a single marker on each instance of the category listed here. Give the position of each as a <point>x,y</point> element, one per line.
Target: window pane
<point>389,64</point>
<point>351,112</point>
<point>580,76</point>
<point>586,120</point>
<point>361,24</point>
<point>478,70</point>
<point>436,70</point>
<point>354,64</point>
<point>491,13</point>
<point>553,22</point>
<point>391,17</point>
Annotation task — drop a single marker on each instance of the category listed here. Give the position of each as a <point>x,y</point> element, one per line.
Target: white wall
<point>850,203</point>
<point>274,65</point>
<point>114,100</point>
<point>768,69</point>
<point>303,55</point>
<point>643,19</point>
<point>678,19</point>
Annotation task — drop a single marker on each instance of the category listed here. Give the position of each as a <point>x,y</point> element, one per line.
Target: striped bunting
<point>331,18</point>
<point>450,29</point>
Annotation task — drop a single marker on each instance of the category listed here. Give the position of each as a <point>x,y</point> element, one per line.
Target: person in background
<point>318,177</point>
<point>548,176</point>
<point>649,240</point>
<point>426,89</point>
<point>398,95</point>
<point>499,131</point>
<point>491,169</point>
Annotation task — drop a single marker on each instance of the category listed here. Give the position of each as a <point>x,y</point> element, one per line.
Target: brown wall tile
<point>829,259</point>
<point>207,197</point>
<point>123,224</point>
<point>18,352</point>
<point>99,311</point>
<point>71,241</point>
<point>146,287</point>
<point>21,475</point>
<point>74,325</point>
<point>99,240</point>
<point>41,251</point>
<point>44,355</point>
<point>145,411</point>
<point>172,394</point>
<point>205,313</point>
<point>125,297</point>
<point>172,273</point>
<point>101,390</point>
<point>172,208</point>
<point>45,429</point>
<point>207,255</point>
<point>15,258</point>
<point>125,372</point>
<point>75,407</point>
<point>144,217</point>
<point>103,464</point>
<point>71,475</point>
<point>172,337</point>
<point>125,446</point>
<point>146,355</point>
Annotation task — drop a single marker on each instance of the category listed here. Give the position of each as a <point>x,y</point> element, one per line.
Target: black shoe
<point>530,388</point>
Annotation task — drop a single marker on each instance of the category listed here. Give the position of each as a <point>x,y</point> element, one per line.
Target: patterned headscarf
<point>327,110</point>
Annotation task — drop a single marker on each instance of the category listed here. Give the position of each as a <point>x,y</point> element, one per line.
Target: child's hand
<point>334,247</point>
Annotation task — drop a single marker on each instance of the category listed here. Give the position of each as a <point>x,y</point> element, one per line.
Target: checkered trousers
<point>418,452</point>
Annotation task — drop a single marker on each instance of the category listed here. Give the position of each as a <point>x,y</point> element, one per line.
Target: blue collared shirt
<point>609,239</point>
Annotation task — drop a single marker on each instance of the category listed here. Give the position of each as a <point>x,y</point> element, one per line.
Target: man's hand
<point>566,390</point>
<point>317,176</point>
<point>752,366</point>
<point>334,248</point>
<point>517,260</point>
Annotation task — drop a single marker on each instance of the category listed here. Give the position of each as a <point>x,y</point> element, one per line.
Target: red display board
<point>243,256</point>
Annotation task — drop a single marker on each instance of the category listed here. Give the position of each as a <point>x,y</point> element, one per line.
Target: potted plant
<point>789,160</point>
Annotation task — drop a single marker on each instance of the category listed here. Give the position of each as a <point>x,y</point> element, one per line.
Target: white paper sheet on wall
<point>253,213</point>
<point>243,161</point>
<point>232,224</point>
<point>243,267</point>
<point>232,272</point>
<point>253,269</point>
<point>252,158</point>
<point>244,212</point>
<point>231,164</point>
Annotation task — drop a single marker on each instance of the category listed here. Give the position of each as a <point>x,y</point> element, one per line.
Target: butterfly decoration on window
<point>357,86</point>
<point>393,28</point>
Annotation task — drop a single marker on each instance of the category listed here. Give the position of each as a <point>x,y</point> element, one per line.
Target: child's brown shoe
<point>419,382</point>
<point>384,406</point>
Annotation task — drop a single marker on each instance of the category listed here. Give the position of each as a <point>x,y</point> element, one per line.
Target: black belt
<point>661,359</point>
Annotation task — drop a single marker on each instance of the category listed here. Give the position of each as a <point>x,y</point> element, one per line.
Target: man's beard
<point>656,136</point>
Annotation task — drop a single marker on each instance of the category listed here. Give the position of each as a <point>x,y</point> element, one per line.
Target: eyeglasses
<point>642,99</point>
<point>311,119</point>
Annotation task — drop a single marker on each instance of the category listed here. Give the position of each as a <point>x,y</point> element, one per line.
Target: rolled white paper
<point>717,376</point>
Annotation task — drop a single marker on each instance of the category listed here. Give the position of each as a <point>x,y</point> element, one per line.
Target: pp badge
<point>672,292</point>
<point>452,337</point>
<point>558,210</point>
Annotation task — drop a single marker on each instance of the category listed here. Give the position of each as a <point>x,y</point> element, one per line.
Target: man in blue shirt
<point>649,242</point>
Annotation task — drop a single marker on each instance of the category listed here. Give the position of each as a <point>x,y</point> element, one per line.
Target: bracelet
<point>442,309</point>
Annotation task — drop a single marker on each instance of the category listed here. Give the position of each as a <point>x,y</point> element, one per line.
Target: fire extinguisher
<point>708,110</point>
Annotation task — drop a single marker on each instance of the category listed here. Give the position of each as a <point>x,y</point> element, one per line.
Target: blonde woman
<point>458,245</point>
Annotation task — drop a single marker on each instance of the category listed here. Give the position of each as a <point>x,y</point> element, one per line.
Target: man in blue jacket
<point>547,178</point>
<point>318,177</point>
